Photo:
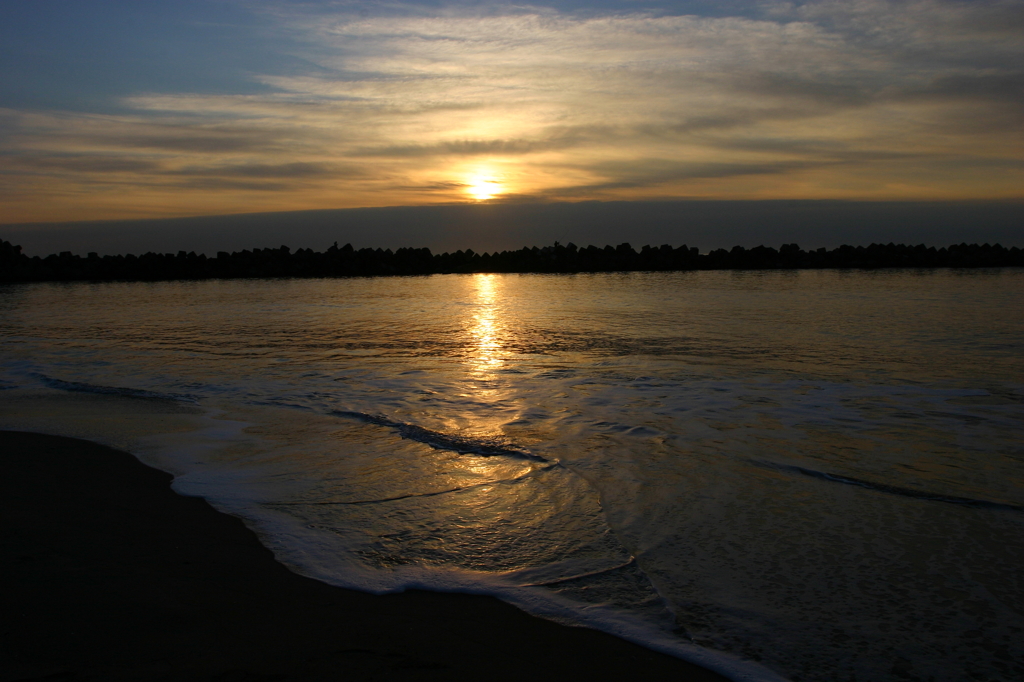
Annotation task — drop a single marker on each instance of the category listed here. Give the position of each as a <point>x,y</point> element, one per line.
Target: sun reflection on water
<point>487,330</point>
<point>489,400</point>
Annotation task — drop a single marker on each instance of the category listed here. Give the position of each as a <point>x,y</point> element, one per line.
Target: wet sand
<point>109,575</point>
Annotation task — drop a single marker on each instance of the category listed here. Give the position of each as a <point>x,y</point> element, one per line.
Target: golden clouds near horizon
<point>804,105</point>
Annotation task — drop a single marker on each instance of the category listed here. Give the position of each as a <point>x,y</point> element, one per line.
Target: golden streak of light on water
<point>488,327</point>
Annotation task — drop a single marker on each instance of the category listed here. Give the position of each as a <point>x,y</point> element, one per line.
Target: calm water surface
<point>817,475</point>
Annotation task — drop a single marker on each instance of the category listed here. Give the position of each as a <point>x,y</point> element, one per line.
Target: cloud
<point>215,183</point>
<point>1005,88</point>
<point>403,104</point>
<point>476,147</point>
<point>207,143</point>
<point>90,163</point>
<point>258,170</point>
<point>654,172</point>
<point>435,187</point>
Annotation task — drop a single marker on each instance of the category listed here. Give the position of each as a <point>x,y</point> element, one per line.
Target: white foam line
<point>311,553</point>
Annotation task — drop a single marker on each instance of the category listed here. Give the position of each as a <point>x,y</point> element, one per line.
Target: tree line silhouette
<point>345,261</point>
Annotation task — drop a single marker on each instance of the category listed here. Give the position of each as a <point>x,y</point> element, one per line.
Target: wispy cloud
<point>861,98</point>
<point>264,170</point>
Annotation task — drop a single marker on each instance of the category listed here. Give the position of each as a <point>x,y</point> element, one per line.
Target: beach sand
<point>109,575</point>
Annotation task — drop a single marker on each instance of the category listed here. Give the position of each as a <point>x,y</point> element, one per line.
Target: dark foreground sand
<point>109,575</point>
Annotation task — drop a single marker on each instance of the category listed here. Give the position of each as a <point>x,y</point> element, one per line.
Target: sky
<point>135,109</point>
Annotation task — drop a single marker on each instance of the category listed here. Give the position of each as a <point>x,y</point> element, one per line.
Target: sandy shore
<point>109,575</point>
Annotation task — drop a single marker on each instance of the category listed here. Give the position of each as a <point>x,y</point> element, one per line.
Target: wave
<point>412,495</point>
<point>588,574</point>
<point>895,490</point>
<point>484,447</point>
<point>79,386</point>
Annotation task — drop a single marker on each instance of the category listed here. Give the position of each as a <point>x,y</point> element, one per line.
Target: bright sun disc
<point>482,189</point>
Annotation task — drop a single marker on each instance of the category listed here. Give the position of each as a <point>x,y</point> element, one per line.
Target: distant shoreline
<point>346,261</point>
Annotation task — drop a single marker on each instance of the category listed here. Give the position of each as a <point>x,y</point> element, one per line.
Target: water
<point>814,475</point>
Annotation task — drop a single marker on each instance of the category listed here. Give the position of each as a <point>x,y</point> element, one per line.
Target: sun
<point>482,187</point>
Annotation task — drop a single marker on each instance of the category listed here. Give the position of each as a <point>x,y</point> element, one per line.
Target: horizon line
<point>998,201</point>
